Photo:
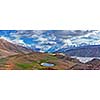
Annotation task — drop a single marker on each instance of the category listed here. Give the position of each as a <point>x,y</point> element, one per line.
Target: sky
<point>51,40</point>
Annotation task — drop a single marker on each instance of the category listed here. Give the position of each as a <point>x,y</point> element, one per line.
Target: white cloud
<point>48,39</point>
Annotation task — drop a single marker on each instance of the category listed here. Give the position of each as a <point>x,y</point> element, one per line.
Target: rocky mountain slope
<point>7,48</point>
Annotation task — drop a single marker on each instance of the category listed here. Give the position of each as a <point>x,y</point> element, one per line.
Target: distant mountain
<point>7,48</point>
<point>83,51</point>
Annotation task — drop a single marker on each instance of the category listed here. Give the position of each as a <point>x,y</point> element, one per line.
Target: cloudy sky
<point>46,40</point>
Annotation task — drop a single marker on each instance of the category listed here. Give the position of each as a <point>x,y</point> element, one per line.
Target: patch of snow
<point>85,59</point>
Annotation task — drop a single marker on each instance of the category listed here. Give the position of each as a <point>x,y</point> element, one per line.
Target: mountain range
<point>49,49</point>
<point>83,51</point>
<point>16,57</point>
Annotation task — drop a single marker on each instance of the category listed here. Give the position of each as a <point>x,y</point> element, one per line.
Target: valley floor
<point>46,61</point>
